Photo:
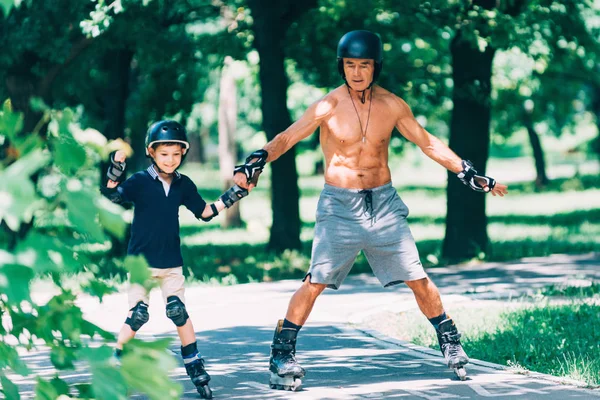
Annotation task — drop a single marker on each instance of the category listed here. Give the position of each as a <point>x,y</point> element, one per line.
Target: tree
<point>227,145</point>
<point>271,22</point>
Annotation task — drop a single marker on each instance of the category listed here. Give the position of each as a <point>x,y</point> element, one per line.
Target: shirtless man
<point>359,209</point>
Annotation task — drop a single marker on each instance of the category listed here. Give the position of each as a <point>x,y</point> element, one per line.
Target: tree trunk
<point>596,111</point>
<point>538,152</point>
<point>227,144</point>
<point>117,63</point>
<point>271,21</point>
<point>466,221</point>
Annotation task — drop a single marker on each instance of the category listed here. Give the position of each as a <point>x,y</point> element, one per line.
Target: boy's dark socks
<point>189,350</point>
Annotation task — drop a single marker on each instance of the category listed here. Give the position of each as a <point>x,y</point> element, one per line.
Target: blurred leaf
<point>139,271</point>
<point>85,391</point>
<point>18,200</point>
<point>107,382</point>
<point>38,104</point>
<point>98,288</point>
<point>82,211</point>
<point>111,218</point>
<point>68,155</point>
<point>9,357</point>
<point>10,390</point>
<point>14,282</point>
<point>146,367</point>
<point>45,390</point>
<point>28,165</point>
<point>48,253</point>
<point>11,122</point>
<point>62,357</point>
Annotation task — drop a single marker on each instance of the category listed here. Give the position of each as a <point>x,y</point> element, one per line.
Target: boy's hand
<point>116,169</point>
<point>233,195</point>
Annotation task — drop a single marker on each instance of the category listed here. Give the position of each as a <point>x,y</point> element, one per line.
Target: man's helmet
<point>166,131</point>
<point>360,44</point>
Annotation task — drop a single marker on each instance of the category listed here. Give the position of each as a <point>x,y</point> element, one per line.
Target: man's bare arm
<point>301,129</point>
<point>435,149</point>
<point>304,127</point>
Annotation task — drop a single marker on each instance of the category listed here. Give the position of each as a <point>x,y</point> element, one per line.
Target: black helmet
<point>360,44</point>
<point>166,131</point>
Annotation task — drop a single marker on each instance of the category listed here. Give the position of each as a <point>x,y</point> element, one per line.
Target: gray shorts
<point>351,220</point>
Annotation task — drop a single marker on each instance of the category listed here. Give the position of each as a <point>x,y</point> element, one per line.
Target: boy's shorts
<point>171,281</point>
<point>351,220</point>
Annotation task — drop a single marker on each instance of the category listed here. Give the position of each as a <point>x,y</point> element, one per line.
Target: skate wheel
<point>205,392</point>
<point>272,386</point>
<point>296,385</point>
<point>461,373</point>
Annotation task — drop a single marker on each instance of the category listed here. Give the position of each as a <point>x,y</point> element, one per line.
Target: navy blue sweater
<point>155,227</point>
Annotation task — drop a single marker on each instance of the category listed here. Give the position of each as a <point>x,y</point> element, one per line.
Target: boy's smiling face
<point>167,156</point>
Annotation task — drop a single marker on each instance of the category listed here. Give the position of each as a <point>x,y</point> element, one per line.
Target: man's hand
<point>246,175</point>
<point>116,169</point>
<point>498,189</point>
<point>480,183</point>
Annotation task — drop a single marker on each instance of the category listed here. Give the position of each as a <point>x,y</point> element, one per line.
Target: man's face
<point>359,72</point>
<point>167,156</point>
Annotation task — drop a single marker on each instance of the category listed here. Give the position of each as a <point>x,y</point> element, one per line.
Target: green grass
<point>589,289</point>
<point>558,339</point>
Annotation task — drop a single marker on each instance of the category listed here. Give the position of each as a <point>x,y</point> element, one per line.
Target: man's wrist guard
<point>116,170</point>
<point>233,195</point>
<point>251,168</point>
<point>468,175</point>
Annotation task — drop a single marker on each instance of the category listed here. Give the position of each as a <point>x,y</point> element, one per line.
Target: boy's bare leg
<point>186,333</point>
<point>125,334</point>
<point>427,296</point>
<point>303,300</point>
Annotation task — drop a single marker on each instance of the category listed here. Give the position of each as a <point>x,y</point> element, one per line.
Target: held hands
<point>480,183</point>
<point>116,169</point>
<point>246,175</point>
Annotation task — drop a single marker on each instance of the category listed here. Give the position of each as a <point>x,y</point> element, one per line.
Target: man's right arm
<point>301,129</point>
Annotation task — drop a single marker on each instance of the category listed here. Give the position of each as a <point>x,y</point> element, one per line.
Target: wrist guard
<point>468,175</point>
<point>233,195</point>
<point>215,212</point>
<point>116,170</point>
<point>251,169</point>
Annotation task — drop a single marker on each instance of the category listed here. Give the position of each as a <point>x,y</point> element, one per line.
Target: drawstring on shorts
<point>369,203</point>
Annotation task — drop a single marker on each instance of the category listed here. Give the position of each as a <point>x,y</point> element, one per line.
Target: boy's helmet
<point>360,44</point>
<point>166,131</point>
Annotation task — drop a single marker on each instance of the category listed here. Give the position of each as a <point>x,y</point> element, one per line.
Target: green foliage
<point>50,213</point>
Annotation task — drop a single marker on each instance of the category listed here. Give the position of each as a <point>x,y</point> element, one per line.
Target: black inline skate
<point>286,373</point>
<point>449,339</point>
<point>194,366</point>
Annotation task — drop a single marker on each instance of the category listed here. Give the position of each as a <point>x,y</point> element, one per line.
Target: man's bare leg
<point>427,296</point>
<point>430,303</point>
<point>286,373</point>
<point>303,300</point>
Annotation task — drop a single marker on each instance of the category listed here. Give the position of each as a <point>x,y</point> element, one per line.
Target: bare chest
<point>351,123</point>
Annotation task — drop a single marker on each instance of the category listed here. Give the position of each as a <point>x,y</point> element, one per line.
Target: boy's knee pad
<point>176,311</point>
<point>139,316</point>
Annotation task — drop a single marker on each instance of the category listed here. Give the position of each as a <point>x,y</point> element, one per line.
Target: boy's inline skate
<point>449,339</point>
<point>194,366</point>
<point>286,373</point>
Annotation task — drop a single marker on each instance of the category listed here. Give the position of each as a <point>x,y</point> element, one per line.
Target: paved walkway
<point>235,327</point>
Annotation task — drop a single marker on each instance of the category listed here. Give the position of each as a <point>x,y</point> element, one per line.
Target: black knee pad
<point>139,316</point>
<point>176,311</point>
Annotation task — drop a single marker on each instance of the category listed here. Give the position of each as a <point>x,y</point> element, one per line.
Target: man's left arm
<point>435,149</point>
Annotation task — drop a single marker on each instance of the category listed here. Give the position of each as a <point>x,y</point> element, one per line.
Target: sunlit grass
<point>557,339</point>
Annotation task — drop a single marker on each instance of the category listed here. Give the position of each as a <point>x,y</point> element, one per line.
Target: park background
<point>513,86</point>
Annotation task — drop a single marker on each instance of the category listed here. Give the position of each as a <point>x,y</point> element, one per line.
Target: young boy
<point>157,193</point>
